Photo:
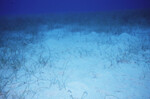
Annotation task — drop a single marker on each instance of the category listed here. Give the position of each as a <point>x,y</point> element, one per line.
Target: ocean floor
<point>89,56</point>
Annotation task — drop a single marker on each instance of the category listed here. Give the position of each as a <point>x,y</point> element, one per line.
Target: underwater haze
<point>74,49</point>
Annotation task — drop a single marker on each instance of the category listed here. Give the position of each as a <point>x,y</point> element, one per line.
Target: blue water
<point>11,7</point>
<point>74,49</point>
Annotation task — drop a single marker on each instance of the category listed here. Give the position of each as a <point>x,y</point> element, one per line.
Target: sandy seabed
<point>76,60</point>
